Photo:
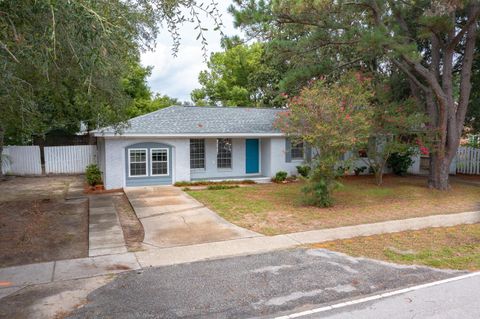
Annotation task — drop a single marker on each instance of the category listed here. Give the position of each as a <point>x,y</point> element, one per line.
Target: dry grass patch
<point>455,247</point>
<point>279,208</point>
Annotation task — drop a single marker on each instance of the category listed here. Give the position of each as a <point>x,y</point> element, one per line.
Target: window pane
<point>159,168</point>
<point>138,162</point>
<point>197,153</point>
<point>224,153</point>
<point>138,169</point>
<point>159,162</point>
<point>297,151</point>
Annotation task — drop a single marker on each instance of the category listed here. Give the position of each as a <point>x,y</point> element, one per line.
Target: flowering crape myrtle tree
<point>333,118</point>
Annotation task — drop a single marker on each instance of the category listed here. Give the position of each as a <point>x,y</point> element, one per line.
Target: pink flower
<point>424,150</point>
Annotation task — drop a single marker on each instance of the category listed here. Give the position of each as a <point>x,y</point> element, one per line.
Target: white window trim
<point>151,161</point>
<point>298,159</point>
<point>129,162</point>
<point>224,169</point>
<point>204,168</point>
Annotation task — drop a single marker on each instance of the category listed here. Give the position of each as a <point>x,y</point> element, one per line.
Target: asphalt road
<point>265,285</point>
<point>457,299</point>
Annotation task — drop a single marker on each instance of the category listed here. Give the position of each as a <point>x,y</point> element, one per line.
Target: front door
<point>252,156</point>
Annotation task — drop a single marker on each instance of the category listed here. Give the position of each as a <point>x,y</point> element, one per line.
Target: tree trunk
<point>439,172</point>
<point>379,177</point>
<point>2,136</point>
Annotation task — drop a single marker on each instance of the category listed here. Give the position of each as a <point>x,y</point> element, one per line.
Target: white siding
<point>211,170</point>
<point>265,151</point>
<point>114,172</point>
<point>69,159</point>
<point>101,155</point>
<point>278,159</point>
<point>22,160</point>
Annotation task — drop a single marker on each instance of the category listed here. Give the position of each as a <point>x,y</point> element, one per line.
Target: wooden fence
<point>26,160</point>
<point>468,160</point>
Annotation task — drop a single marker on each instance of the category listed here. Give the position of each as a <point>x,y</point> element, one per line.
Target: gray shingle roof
<point>203,120</point>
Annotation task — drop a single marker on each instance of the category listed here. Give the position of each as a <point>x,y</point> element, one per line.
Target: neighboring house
<point>184,143</point>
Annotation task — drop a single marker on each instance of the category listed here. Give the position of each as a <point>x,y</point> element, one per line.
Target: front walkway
<point>105,231</point>
<point>172,218</point>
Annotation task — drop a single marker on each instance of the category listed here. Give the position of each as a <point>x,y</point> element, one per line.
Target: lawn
<point>279,208</point>
<point>455,247</point>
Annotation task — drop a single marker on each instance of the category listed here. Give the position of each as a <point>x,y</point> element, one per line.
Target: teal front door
<point>252,156</point>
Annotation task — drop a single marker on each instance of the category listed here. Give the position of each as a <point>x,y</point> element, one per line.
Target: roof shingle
<point>202,120</point>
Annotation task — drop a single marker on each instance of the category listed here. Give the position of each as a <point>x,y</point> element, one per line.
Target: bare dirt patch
<point>132,228</point>
<point>37,224</point>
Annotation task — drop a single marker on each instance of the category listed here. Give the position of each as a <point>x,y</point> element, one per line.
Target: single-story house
<point>184,143</point>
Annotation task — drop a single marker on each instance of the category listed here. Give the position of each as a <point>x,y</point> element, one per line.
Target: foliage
<point>319,189</point>
<point>400,162</point>
<point>430,43</point>
<point>359,169</point>
<point>93,175</point>
<point>63,61</point>
<point>332,117</point>
<point>239,76</point>
<point>134,84</point>
<point>218,187</point>
<point>303,170</point>
<point>397,126</point>
<point>280,176</point>
<point>206,183</point>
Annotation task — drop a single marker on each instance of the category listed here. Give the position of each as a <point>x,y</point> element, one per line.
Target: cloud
<point>178,76</point>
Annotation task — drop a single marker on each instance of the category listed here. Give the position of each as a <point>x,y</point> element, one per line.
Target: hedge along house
<point>184,143</point>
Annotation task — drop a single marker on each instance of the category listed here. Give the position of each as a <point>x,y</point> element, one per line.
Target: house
<point>184,143</point>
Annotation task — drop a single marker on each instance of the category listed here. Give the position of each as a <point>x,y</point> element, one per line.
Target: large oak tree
<point>431,42</point>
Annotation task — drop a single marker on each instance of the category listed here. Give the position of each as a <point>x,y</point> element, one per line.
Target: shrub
<point>359,170</point>
<point>206,183</point>
<point>400,162</point>
<point>93,175</point>
<point>303,170</point>
<point>218,187</point>
<point>281,176</point>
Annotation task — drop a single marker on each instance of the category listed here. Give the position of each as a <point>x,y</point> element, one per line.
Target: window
<point>159,161</point>
<point>197,153</point>
<point>137,162</point>
<point>297,151</point>
<point>224,153</point>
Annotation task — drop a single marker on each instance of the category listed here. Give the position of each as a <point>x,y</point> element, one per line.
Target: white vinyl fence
<point>468,160</point>
<point>69,159</point>
<point>21,160</point>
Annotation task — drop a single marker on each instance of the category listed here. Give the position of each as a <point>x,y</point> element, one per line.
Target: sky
<point>178,76</point>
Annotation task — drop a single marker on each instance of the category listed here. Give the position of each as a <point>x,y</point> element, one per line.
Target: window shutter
<point>308,153</point>
<point>288,150</point>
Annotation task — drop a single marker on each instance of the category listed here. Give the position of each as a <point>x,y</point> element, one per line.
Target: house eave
<point>185,135</point>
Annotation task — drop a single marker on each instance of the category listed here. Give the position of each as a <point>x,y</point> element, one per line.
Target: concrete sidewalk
<point>105,236</point>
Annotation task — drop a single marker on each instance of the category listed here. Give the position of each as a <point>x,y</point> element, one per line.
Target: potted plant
<point>94,177</point>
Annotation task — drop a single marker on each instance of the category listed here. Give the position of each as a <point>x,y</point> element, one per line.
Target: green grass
<point>281,208</point>
<point>455,247</point>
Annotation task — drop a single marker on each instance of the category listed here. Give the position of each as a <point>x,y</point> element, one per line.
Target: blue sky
<point>178,76</point>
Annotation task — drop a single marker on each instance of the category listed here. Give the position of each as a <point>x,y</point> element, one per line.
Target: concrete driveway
<point>172,218</point>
